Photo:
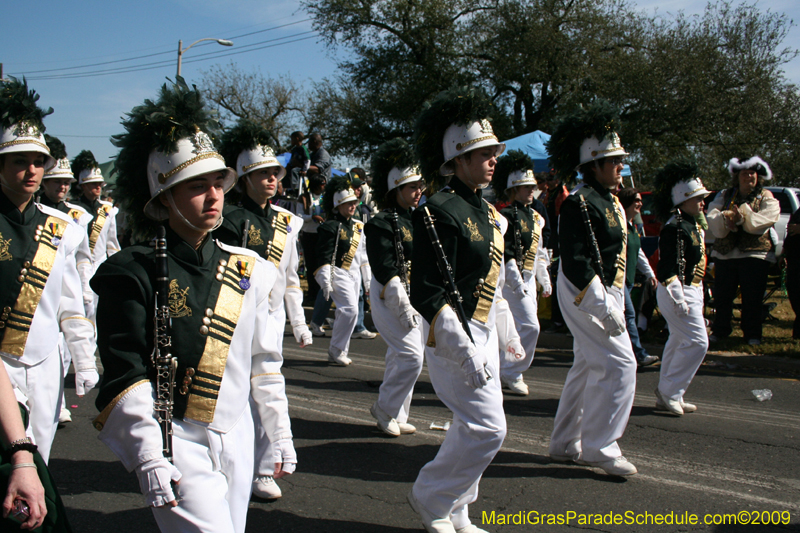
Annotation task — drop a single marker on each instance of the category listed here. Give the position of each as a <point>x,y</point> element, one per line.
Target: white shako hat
<point>25,136</point>
<point>256,158</point>
<point>194,157</point>
<point>91,175</point>
<point>684,190</point>
<point>400,176</point>
<point>754,163</point>
<point>62,169</point>
<point>460,139</point>
<point>343,196</point>
<point>593,149</point>
<point>519,178</point>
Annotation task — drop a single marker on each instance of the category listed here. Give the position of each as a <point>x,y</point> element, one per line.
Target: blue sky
<point>79,33</point>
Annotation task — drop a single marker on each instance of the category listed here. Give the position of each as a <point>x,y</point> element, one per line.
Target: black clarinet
<point>594,249</point>
<point>246,233</point>
<point>680,249</point>
<point>518,251</point>
<point>451,293</point>
<point>398,248</point>
<point>335,249</point>
<point>165,365</point>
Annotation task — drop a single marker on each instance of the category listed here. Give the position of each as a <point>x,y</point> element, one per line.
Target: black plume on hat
<point>459,105</point>
<point>395,153</point>
<point>83,161</point>
<point>674,172</point>
<point>597,120</point>
<point>57,148</point>
<point>18,104</point>
<point>178,113</point>
<point>336,184</point>
<point>245,135</point>
<point>512,161</point>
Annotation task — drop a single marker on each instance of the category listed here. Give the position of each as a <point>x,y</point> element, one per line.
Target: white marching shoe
<point>432,524</point>
<point>669,405</point>
<point>386,423</point>
<point>406,429</point>
<point>619,466</point>
<point>266,488</point>
<point>338,357</point>
<point>64,416</point>
<point>688,407</point>
<point>517,387</point>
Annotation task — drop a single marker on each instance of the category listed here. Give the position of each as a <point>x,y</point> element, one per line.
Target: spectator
<point>791,250</point>
<point>320,158</point>
<point>554,196</point>
<point>298,165</point>
<point>740,219</point>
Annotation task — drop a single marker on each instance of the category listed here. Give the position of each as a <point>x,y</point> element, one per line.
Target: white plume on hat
<point>754,163</point>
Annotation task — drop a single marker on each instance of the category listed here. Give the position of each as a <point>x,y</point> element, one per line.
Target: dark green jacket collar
<point>594,184</point>
<point>250,204</point>
<point>45,200</point>
<point>11,212</point>
<point>90,206</point>
<point>338,216</point>
<point>184,251</point>
<point>472,198</point>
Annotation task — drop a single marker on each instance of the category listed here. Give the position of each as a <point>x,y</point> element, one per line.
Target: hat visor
<point>62,176</point>
<point>603,155</point>
<point>349,198</point>
<point>448,168</point>
<point>49,162</point>
<point>699,192</point>
<point>266,164</point>
<point>155,210</point>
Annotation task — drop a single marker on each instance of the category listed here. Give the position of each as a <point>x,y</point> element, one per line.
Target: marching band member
<point>681,267</point>
<point>598,394</point>
<point>398,188</point>
<point>453,137</point>
<point>272,233</point>
<point>343,263</point>
<point>526,263</point>
<point>40,296</point>
<point>218,307</point>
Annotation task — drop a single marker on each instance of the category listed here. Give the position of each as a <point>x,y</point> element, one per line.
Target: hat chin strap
<point>185,220</point>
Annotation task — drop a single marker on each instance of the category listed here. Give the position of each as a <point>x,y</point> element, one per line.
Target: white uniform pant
<point>598,394</point>
<point>346,288</point>
<point>39,388</point>
<point>263,446</point>
<point>687,344</point>
<point>404,357</point>
<point>217,479</point>
<point>449,483</point>
<point>526,320</point>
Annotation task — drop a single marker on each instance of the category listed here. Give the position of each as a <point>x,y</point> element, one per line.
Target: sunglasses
<point>617,160</point>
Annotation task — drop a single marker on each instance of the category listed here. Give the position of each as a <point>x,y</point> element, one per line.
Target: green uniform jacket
<point>528,228</point>
<point>471,237</point>
<point>693,251</point>
<point>124,283</point>
<point>327,234</point>
<point>610,230</point>
<point>381,250</point>
<point>261,230</point>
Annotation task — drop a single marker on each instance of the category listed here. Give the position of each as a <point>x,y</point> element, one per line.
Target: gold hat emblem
<point>486,127</point>
<point>5,255</point>
<point>202,143</point>
<point>26,129</point>
<point>474,231</point>
<point>177,300</point>
<point>266,151</point>
<point>254,236</point>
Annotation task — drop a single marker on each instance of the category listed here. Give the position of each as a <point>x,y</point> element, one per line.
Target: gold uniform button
<point>190,371</point>
<point>187,381</point>
<point>206,321</point>
<point>36,238</point>
<point>209,312</point>
<point>2,324</point>
<point>26,264</point>
<point>21,278</point>
<point>184,390</point>
<point>6,309</point>
<point>203,330</point>
<point>223,262</point>
<point>221,269</point>
<point>219,277</point>
<point>23,271</point>
<point>476,294</point>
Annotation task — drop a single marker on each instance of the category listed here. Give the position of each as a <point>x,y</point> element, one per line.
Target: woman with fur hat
<point>454,139</point>
<point>598,394</point>
<point>526,263</point>
<point>398,188</point>
<point>740,219</point>
<point>272,233</point>
<point>343,262</point>
<point>219,309</point>
<point>40,293</point>
<point>681,266</point>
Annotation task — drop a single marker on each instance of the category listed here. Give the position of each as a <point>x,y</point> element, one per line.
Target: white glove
<point>306,339</point>
<point>155,476</point>
<point>409,317</point>
<point>85,380</point>
<point>302,335</point>
<point>547,290</point>
<point>326,291</point>
<point>681,308</point>
<point>88,306</point>
<point>514,351</point>
<point>285,455</point>
<point>614,323</point>
<point>475,369</point>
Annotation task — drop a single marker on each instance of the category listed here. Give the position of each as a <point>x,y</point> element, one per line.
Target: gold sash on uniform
<point>496,248</point>
<point>16,322</point>
<point>351,253</point>
<point>280,223</point>
<point>204,391</point>
<point>536,234</point>
<point>619,278</point>
<point>97,226</point>
<point>700,267</point>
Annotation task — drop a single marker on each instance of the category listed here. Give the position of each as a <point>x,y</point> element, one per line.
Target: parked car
<point>789,199</point>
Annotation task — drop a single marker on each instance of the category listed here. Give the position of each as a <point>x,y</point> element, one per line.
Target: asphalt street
<point>734,456</point>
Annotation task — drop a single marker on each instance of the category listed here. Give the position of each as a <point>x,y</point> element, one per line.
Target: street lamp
<point>181,50</point>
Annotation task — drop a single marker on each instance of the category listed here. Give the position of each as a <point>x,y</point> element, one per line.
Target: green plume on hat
<point>336,184</point>
<point>458,105</point>
<point>395,153</point>
<point>57,148</point>
<point>18,104</point>
<point>510,162</point>
<point>674,172</point>
<point>245,135</point>
<point>178,113</point>
<point>596,120</point>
